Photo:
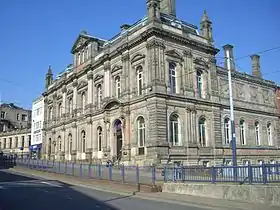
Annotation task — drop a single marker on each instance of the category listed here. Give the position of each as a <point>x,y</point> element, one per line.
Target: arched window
<point>59,110</point>
<point>118,86</point>
<point>227,131</point>
<point>242,132</point>
<point>202,132</point>
<point>141,131</point>
<point>199,82</point>
<point>99,138</point>
<point>269,136</point>
<point>257,133</point>
<point>139,72</point>
<point>83,135</point>
<point>174,130</point>
<point>59,143</point>
<point>69,143</point>
<point>83,102</point>
<point>99,95</point>
<point>172,78</point>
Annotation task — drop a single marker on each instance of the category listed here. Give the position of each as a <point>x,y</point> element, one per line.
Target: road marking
<point>50,184</point>
<point>97,206</point>
<point>43,190</point>
<point>2,188</point>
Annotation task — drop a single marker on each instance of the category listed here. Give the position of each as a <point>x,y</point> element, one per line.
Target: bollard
<point>110,171</point>
<point>65,169</point>
<point>154,175</point>
<point>123,173</point>
<point>73,172</point>
<point>81,170</point>
<point>58,166</point>
<point>89,170</point>
<point>99,171</point>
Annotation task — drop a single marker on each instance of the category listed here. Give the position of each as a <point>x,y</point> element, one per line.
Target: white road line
<point>1,187</point>
<point>50,184</point>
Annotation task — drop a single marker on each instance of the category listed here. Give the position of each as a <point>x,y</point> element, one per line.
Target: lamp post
<point>233,134</point>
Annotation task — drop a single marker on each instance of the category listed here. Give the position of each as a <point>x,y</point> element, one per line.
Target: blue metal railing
<point>265,173</point>
<point>124,174</point>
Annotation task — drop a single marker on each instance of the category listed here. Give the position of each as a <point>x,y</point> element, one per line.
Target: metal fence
<point>265,173</point>
<point>125,174</point>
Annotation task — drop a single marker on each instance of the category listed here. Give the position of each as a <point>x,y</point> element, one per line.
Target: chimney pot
<point>256,67</point>
<point>229,48</point>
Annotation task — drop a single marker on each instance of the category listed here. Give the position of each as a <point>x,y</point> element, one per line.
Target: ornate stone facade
<point>154,94</point>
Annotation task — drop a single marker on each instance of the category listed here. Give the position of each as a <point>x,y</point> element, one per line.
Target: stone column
<point>125,74</point>
<point>89,140</point>
<point>188,127</point>
<point>90,88</point>
<point>188,75</point>
<point>106,135</point>
<point>107,78</point>
<point>94,142</point>
<point>63,139</point>
<point>127,141</point>
<point>64,102</point>
<point>74,142</point>
<point>75,101</point>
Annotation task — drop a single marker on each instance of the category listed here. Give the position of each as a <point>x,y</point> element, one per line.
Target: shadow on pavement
<point>21,192</point>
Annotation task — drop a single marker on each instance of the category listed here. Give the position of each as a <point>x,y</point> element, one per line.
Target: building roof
<point>10,105</point>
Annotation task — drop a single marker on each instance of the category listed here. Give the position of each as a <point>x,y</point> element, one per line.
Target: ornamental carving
<point>116,68</point>
<point>75,82</point>
<point>265,96</point>
<point>253,93</point>
<point>240,90</point>
<point>98,77</point>
<point>125,57</point>
<point>107,66</point>
<point>82,84</point>
<point>90,74</point>
<point>64,89</point>
<point>224,87</point>
<point>155,43</point>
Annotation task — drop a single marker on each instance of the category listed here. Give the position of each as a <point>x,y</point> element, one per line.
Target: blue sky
<point>35,34</point>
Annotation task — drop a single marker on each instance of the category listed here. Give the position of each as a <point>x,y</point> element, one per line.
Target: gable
<point>81,41</point>
<point>98,77</point>
<point>116,68</point>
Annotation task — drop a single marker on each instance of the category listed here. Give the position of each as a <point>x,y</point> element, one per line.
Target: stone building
<point>154,94</point>
<point>16,142</point>
<point>13,117</point>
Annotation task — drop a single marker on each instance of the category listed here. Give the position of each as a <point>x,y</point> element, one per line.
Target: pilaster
<point>125,89</point>
<point>89,139</point>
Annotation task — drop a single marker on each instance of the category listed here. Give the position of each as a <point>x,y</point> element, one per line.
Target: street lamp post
<point>233,134</point>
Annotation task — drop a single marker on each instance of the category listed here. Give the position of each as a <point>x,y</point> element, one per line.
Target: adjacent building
<point>154,94</point>
<point>16,142</point>
<point>37,126</point>
<point>13,117</point>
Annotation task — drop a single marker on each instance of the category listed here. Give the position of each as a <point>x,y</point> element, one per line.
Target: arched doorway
<point>118,138</point>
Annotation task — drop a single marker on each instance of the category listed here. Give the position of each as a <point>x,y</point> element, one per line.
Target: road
<point>21,192</point>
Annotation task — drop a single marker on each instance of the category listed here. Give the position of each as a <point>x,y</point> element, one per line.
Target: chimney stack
<point>125,27</point>
<point>229,48</point>
<point>256,67</point>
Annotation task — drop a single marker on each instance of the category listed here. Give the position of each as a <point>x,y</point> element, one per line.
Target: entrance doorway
<point>119,138</point>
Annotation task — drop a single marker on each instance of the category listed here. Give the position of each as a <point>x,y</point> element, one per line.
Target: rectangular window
<point>18,117</point>
<point>3,115</point>
<point>24,117</point>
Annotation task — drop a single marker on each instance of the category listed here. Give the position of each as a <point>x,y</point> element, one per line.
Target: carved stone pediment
<point>116,68</point>
<point>82,84</point>
<point>82,40</point>
<point>137,57</point>
<point>174,54</point>
<point>200,63</point>
<point>59,97</point>
<point>98,77</point>
<point>50,101</point>
<point>69,91</point>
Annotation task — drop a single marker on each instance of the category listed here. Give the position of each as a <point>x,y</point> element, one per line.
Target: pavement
<point>29,189</point>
